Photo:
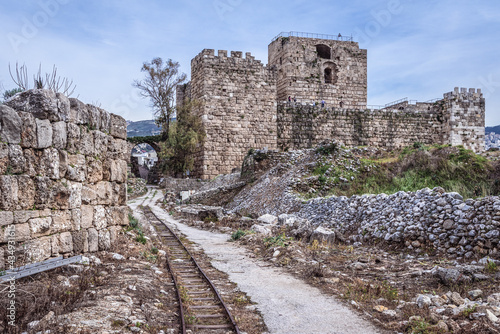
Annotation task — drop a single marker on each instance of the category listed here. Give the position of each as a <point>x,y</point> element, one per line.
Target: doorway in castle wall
<point>144,159</point>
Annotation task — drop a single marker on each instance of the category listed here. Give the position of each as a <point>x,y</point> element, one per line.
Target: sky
<point>416,49</point>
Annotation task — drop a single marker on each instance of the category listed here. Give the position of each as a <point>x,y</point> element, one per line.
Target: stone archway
<point>145,161</point>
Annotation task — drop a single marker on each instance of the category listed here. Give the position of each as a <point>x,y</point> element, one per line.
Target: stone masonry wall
<point>302,64</point>
<point>458,119</point>
<point>63,172</point>
<point>238,109</point>
<point>303,126</point>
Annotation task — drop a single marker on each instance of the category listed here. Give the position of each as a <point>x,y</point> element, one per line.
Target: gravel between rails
<point>287,304</point>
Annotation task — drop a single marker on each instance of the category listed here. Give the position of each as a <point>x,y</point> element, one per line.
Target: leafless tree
<point>159,86</point>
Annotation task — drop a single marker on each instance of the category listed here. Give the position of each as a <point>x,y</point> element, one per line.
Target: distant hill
<point>495,129</point>
<point>142,128</point>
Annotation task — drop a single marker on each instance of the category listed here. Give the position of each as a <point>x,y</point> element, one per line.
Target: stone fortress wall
<point>63,173</point>
<point>244,104</point>
<point>457,119</point>
<point>238,108</point>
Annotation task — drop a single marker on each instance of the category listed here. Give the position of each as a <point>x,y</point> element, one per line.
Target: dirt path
<point>287,304</point>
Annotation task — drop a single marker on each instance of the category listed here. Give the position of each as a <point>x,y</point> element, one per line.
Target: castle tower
<point>314,67</point>
<point>237,97</point>
<point>465,112</point>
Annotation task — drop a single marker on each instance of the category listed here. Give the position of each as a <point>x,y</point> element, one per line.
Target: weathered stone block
<point>40,226</point>
<point>17,232</point>
<point>105,121</point>
<point>76,168</point>
<point>42,103</point>
<point>94,117</point>
<point>61,222</point>
<point>94,170</point>
<point>100,220</point>
<point>66,242</point>
<point>63,163</point>
<point>119,194</point>
<point>93,240</point>
<point>118,215</point>
<point>104,193</point>
<point>24,216</point>
<point>60,135</point>
<point>49,163</point>
<point>4,158</point>
<point>60,195</point>
<point>76,219</point>
<point>17,161</point>
<point>78,112</point>
<point>87,216</point>
<point>100,143</point>
<point>75,195</point>
<point>38,250</point>
<point>104,240</point>
<point>118,171</point>
<point>63,106</point>
<point>32,162</point>
<point>86,143</point>
<point>26,192</point>
<point>10,125</point>
<point>8,192</point>
<point>80,241</point>
<point>28,132</point>
<point>43,197</point>
<point>89,194</point>
<point>118,127</point>
<point>43,133</point>
<point>73,138</point>
<point>6,218</point>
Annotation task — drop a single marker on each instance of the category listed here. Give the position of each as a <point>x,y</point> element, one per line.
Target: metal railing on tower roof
<point>338,37</point>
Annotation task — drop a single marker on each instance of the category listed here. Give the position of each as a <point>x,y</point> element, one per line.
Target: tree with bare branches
<point>159,86</point>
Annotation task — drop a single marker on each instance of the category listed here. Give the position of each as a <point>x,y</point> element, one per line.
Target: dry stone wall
<point>238,108</point>
<point>426,219</point>
<point>63,173</point>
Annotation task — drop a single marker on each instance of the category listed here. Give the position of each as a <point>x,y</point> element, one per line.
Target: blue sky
<point>416,49</point>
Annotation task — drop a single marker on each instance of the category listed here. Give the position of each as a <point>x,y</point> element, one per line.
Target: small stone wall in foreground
<point>63,174</point>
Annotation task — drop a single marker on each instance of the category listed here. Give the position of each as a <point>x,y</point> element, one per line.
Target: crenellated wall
<point>63,173</point>
<point>238,108</point>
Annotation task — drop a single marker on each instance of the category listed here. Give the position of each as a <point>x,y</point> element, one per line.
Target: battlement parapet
<point>222,55</point>
<point>465,93</point>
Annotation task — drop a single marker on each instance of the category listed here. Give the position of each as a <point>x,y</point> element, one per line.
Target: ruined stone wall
<point>238,109</point>
<point>458,119</point>
<point>312,69</point>
<point>63,172</point>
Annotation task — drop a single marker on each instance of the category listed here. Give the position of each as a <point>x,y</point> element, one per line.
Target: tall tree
<point>159,86</point>
<point>187,134</point>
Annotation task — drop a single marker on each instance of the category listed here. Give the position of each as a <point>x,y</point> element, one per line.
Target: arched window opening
<point>328,75</point>
<point>324,51</point>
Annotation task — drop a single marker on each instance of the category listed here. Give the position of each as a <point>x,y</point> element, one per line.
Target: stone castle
<point>313,88</point>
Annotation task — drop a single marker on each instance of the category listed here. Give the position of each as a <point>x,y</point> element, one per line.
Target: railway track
<point>201,307</point>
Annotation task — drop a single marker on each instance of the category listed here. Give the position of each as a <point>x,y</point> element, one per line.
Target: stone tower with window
<point>316,69</point>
